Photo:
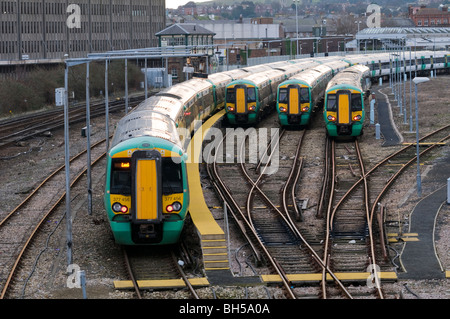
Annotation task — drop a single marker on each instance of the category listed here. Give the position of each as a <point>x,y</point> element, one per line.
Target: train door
<point>343,111</point>
<point>146,194</point>
<point>241,99</point>
<point>293,106</point>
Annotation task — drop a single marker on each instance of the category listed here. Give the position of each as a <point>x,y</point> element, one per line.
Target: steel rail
<point>369,220</point>
<point>228,199</point>
<point>185,278</point>
<point>295,230</point>
<point>344,197</point>
<point>130,273</point>
<point>45,216</point>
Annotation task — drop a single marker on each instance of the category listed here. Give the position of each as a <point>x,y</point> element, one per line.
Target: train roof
<point>140,123</point>
<point>351,76</point>
<point>260,77</point>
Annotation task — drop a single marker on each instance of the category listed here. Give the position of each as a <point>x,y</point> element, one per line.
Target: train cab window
<point>356,102</point>
<point>251,95</point>
<point>283,96</point>
<point>304,95</point>
<point>121,177</point>
<point>231,96</point>
<point>172,178</point>
<point>331,103</point>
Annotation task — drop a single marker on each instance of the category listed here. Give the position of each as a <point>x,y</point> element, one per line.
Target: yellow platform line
<point>200,213</point>
<point>447,274</point>
<point>312,277</point>
<point>211,234</point>
<point>161,284</point>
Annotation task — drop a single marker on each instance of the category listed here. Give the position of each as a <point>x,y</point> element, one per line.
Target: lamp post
<point>296,23</point>
<point>417,81</point>
<point>357,41</point>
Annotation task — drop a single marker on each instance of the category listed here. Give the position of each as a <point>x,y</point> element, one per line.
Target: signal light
<point>169,208</point>
<point>124,209</point>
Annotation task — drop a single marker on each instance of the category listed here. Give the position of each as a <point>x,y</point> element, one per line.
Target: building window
<point>425,23</point>
<point>419,23</point>
<point>174,73</point>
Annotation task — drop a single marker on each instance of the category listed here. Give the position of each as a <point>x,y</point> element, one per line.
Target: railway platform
<point>388,129</point>
<point>214,246</point>
<point>419,258</point>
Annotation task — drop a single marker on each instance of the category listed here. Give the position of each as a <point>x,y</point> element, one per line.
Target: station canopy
<point>421,37</point>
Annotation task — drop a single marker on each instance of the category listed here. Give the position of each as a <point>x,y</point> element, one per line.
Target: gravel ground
<point>44,276</point>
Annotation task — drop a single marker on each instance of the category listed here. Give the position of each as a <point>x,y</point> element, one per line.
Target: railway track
<point>358,241</point>
<point>154,263</point>
<point>272,233</point>
<point>20,226</point>
<point>27,126</point>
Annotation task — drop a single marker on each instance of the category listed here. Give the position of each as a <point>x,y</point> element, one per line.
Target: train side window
<point>283,97</point>
<point>121,177</point>
<point>356,102</point>
<point>251,95</point>
<point>331,103</point>
<point>172,179</point>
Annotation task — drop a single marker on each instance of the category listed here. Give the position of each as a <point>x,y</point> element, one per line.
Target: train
<point>146,195</point>
<point>299,96</point>
<point>343,110</point>
<point>248,99</point>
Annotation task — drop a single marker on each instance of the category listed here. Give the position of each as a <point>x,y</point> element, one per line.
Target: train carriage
<point>344,101</point>
<point>146,192</point>
<point>298,96</point>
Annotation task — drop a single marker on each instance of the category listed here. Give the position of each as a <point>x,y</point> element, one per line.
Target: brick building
<point>430,17</point>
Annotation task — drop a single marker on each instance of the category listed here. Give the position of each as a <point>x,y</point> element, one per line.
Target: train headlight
<point>119,208</point>
<point>230,108</point>
<point>357,117</point>
<point>176,206</point>
<point>305,109</point>
<point>331,118</point>
<point>283,109</point>
<point>251,108</point>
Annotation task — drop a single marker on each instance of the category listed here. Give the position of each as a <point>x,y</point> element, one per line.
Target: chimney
<point>445,9</point>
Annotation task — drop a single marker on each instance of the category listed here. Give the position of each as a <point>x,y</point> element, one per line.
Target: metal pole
<point>418,178</point>
<point>410,93</point>
<point>107,104</point>
<point>296,22</point>
<point>88,139</point>
<point>405,121</point>
<point>67,167</point>
<point>146,80</point>
<point>126,86</point>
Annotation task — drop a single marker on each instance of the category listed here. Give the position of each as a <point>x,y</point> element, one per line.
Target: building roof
<point>186,29</point>
<point>374,33</point>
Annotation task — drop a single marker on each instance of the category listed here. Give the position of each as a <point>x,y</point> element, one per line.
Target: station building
<point>47,31</point>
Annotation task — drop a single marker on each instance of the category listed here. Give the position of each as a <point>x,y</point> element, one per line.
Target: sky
<point>173,4</point>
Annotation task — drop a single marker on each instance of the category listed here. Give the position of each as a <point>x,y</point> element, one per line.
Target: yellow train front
<point>344,102</point>
<point>146,193</point>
